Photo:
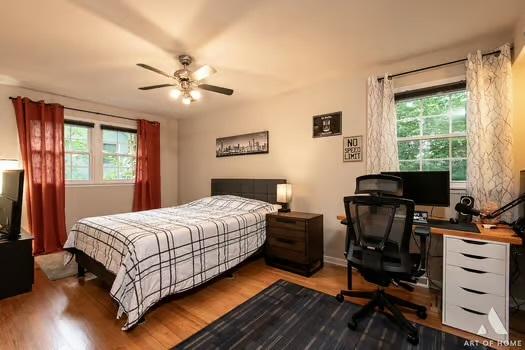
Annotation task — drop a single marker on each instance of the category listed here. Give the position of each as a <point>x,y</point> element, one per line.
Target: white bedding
<point>160,252</point>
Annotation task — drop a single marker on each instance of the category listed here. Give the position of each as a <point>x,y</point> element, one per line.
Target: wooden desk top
<point>502,233</point>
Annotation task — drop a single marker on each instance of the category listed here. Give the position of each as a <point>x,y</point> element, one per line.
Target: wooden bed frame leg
<point>81,271</point>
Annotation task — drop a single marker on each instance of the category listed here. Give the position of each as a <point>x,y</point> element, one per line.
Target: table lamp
<point>284,197</point>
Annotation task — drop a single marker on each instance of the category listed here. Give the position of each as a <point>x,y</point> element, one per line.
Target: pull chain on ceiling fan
<point>186,82</point>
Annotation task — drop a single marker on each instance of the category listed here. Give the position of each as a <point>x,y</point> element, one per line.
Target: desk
<point>502,234</point>
<point>476,278</point>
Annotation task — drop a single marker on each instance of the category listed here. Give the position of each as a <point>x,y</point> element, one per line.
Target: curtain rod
<point>92,112</point>
<point>497,52</point>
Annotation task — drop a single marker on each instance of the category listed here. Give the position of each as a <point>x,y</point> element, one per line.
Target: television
<point>430,188</point>
<point>11,193</point>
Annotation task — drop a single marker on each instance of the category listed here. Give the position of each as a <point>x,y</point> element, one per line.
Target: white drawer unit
<point>475,286</point>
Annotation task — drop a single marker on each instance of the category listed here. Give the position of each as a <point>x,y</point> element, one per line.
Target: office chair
<point>379,228</point>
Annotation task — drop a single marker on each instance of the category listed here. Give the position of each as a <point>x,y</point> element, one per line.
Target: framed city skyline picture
<point>239,145</point>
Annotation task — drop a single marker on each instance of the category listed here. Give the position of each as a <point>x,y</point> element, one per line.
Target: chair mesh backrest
<point>375,222</point>
<point>380,228</point>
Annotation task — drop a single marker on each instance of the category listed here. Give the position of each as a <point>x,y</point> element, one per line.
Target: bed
<point>149,255</point>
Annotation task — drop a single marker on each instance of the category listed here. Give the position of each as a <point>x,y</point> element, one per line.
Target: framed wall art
<point>238,145</point>
<point>353,148</point>
<point>327,124</point>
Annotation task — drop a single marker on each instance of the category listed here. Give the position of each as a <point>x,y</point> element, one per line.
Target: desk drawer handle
<point>474,242</point>
<point>472,270</point>
<point>474,256</point>
<point>472,311</point>
<point>473,291</point>
<point>284,221</point>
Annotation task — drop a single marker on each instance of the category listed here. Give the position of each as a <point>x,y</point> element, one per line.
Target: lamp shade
<point>284,193</point>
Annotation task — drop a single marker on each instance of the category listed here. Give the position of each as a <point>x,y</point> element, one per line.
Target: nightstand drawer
<point>281,232</point>
<point>286,223</point>
<point>290,243</point>
<point>285,253</point>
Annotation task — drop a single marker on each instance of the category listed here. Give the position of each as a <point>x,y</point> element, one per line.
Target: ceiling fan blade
<point>217,89</point>
<point>155,86</point>
<point>153,69</point>
<point>202,73</point>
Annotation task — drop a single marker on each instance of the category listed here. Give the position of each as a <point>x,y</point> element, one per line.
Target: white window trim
<point>454,185</point>
<point>96,159</point>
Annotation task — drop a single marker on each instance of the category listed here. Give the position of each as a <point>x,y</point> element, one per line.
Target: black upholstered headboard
<point>261,189</point>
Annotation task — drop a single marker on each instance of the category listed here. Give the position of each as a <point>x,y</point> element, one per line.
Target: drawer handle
<point>472,270</point>
<point>474,242</point>
<point>473,291</point>
<point>472,311</point>
<point>284,221</point>
<point>473,256</point>
<point>284,240</point>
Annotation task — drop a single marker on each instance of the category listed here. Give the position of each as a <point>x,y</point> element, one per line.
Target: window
<point>431,131</point>
<point>119,148</point>
<point>77,145</point>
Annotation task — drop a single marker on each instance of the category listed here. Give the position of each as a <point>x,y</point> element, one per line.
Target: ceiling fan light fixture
<point>186,100</point>
<point>195,94</point>
<point>175,93</point>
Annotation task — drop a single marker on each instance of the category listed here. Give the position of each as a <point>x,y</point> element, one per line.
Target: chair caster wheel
<point>422,314</point>
<point>340,298</point>
<point>413,339</point>
<point>352,325</point>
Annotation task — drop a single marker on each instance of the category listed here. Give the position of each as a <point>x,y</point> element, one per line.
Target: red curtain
<point>147,179</point>
<point>41,135</point>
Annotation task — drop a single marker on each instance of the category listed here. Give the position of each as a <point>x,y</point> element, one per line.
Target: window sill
<point>105,184</point>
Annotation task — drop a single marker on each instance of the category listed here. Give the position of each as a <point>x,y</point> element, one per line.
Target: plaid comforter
<point>160,252</point>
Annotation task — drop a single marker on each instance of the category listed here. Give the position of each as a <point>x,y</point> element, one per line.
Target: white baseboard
<point>334,261</point>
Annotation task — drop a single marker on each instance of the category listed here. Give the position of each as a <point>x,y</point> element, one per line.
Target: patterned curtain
<point>381,133</point>
<point>490,162</point>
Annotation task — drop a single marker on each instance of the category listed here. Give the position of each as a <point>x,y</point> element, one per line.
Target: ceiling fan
<point>186,82</point>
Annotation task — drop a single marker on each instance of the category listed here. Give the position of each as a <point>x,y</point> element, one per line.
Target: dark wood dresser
<point>16,266</point>
<point>294,242</point>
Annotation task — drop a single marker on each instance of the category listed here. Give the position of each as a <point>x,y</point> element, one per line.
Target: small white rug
<point>53,266</point>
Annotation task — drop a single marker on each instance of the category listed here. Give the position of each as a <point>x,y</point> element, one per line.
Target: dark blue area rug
<point>288,316</point>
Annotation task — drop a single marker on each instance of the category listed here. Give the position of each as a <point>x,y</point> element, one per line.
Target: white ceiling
<point>88,48</point>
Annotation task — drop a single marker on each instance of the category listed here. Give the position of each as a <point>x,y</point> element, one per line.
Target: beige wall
<point>313,166</point>
<point>518,74</point>
<point>92,200</point>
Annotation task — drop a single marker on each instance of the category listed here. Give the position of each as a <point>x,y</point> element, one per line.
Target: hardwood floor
<point>76,314</point>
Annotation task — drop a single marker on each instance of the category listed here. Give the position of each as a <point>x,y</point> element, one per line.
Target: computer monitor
<point>430,188</point>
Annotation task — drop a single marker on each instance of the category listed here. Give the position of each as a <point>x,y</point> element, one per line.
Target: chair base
<point>382,300</point>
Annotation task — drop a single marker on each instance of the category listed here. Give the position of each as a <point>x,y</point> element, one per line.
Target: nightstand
<point>294,242</point>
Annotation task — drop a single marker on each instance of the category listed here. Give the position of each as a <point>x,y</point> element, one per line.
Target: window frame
<point>121,129</point>
<point>89,126</point>
<point>97,155</point>
<point>427,90</point>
